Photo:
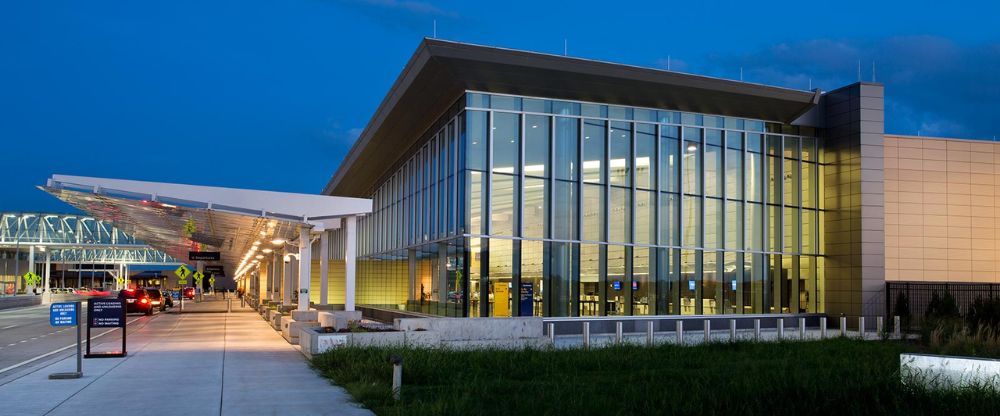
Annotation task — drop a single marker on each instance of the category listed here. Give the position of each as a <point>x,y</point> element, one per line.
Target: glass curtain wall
<point>521,206</point>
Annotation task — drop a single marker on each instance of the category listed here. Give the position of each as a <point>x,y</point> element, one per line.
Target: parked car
<point>189,292</point>
<point>136,300</point>
<point>156,298</point>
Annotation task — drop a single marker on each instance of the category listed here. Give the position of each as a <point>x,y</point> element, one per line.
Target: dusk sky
<point>271,94</point>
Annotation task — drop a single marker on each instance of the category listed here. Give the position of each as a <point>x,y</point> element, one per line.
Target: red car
<point>136,300</point>
<point>189,292</point>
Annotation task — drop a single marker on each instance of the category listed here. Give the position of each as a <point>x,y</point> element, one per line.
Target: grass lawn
<point>836,376</point>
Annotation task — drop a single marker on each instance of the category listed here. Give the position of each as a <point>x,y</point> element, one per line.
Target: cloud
<point>934,86</point>
<point>408,15</point>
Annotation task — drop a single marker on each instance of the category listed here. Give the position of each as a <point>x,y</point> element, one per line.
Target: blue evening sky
<point>271,94</point>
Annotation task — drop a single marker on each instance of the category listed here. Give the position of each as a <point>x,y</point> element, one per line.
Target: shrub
<point>942,316</point>
<point>984,313</point>
<point>902,309</point>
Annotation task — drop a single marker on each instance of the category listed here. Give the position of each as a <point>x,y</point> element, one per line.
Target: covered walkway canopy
<point>179,219</point>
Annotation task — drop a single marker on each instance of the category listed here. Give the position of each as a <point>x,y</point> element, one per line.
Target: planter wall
<point>942,371</point>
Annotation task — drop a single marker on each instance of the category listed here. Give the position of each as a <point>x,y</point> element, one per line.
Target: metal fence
<point>918,296</point>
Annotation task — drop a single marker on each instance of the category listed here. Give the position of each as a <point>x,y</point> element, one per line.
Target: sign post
<point>68,314</point>
<point>182,273</point>
<point>106,313</point>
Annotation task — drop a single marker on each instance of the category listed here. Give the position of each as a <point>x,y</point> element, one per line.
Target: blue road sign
<point>62,314</point>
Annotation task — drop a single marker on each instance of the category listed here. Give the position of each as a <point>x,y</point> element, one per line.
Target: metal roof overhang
<point>226,220</point>
<point>440,71</point>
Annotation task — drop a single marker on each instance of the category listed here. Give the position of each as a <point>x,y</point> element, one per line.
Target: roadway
<point>27,340</point>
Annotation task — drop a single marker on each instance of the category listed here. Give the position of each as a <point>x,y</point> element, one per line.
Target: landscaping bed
<point>837,376</point>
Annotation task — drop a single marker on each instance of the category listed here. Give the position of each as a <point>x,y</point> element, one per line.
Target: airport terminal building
<point>493,182</point>
<point>511,183</point>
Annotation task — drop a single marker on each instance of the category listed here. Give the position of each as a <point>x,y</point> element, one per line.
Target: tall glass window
<point>620,217</point>
<point>503,218</point>
<point>669,221</point>
<point>692,222</point>
<point>593,212</point>
<point>734,225</point>
<point>594,150</point>
<point>562,270</point>
<point>643,292</point>
<point>645,217</point>
<point>713,223</point>
<point>506,142</point>
<point>536,146</point>
<point>476,140</point>
<point>591,272</point>
<point>669,158</point>
<point>532,273</point>
<point>536,208</point>
<point>501,269</point>
<point>564,207</point>
<point>620,161</point>
<point>692,161</point>
<point>566,148</point>
<point>713,167</point>
<point>645,156</point>
<point>618,281</point>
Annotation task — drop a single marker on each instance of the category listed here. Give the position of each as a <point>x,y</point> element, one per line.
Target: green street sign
<point>198,276</point>
<point>182,272</point>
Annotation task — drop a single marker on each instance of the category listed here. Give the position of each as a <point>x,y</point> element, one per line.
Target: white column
<point>48,269</point>
<point>31,268</point>
<point>305,267</point>
<point>286,280</point>
<point>272,275</point>
<point>200,266</point>
<point>350,254</point>
<point>324,266</point>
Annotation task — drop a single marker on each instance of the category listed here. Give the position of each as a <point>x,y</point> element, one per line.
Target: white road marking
<point>8,327</point>
<point>3,370</point>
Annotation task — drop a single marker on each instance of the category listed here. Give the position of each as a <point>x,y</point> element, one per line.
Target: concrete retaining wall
<point>20,301</point>
<point>941,371</point>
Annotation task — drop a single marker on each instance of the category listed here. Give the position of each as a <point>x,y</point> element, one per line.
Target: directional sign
<point>182,272</point>
<point>198,276</point>
<point>62,314</point>
<point>204,255</point>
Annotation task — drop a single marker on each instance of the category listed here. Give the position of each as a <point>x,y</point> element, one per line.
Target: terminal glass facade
<point>522,206</point>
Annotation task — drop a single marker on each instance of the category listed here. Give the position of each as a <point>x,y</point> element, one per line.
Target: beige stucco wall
<point>942,202</point>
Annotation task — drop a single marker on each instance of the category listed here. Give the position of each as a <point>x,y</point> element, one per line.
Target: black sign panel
<point>204,255</point>
<point>106,313</point>
<point>214,270</point>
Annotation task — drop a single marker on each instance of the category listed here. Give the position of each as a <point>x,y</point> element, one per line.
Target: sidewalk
<point>195,364</point>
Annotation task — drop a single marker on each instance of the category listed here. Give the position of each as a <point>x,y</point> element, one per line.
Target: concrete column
<point>200,266</point>
<point>324,266</point>
<point>350,255</point>
<point>272,274</point>
<point>305,267</point>
<point>31,268</point>
<point>286,280</point>
<point>48,269</point>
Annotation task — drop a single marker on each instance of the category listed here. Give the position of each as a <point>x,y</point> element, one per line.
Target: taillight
<point>144,300</point>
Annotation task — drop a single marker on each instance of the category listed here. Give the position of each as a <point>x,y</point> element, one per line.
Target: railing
<point>918,296</point>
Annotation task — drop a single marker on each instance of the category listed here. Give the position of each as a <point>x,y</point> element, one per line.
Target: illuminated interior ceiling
<point>178,219</point>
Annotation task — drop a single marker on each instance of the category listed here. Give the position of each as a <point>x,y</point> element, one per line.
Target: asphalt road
<point>27,339</point>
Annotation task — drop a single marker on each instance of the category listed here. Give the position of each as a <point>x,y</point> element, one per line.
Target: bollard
<point>843,326</point>
<point>680,332</point>
<point>732,330</point>
<point>756,329</point>
<point>822,327</point>
<point>649,334</point>
<point>878,326</point>
<point>618,332</point>
<point>802,328</point>
<point>708,331</point>
<point>243,301</point>
<point>552,332</point>
<point>896,330</point>
<point>229,306</point>
<point>586,335</point>
<point>781,328</point>
<point>861,327</point>
<point>397,375</point>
